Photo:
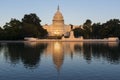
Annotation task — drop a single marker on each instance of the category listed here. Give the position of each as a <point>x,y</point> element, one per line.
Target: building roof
<point>58,15</point>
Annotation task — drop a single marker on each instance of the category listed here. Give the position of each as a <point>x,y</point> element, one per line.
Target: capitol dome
<point>58,15</point>
<point>58,28</point>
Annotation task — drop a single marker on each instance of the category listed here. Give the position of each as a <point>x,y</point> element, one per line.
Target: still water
<point>59,61</point>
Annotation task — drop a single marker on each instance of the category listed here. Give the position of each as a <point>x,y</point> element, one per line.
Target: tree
<point>96,27</point>
<point>12,30</point>
<point>78,32</point>
<point>1,33</point>
<point>32,26</point>
<point>111,28</point>
<point>87,28</point>
<point>88,23</point>
<point>31,19</point>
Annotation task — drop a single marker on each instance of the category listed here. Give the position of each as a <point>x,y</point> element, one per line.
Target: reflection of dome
<point>58,55</point>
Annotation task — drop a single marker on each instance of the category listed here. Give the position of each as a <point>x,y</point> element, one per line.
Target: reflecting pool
<point>59,61</point>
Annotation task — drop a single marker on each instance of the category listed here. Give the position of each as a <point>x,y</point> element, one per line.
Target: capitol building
<point>58,27</point>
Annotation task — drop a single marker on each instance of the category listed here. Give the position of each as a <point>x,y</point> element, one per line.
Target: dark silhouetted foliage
<point>17,30</point>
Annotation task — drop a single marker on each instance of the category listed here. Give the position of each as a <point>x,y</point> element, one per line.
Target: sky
<point>75,12</point>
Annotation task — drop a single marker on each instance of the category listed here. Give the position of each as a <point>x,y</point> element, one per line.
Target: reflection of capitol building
<point>58,28</point>
<point>58,55</point>
<point>56,50</point>
<point>59,50</point>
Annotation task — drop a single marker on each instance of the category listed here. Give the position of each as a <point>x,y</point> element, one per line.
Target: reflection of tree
<point>30,56</point>
<point>77,48</point>
<point>87,52</point>
<point>1,48</point>
<point>99,51</point>
<point>110,54</point>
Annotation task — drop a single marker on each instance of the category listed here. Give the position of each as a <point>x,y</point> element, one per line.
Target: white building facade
<point>58,28</point>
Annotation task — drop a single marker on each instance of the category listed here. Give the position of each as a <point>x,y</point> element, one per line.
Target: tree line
<point>97,30</point>
<point>29,26</point>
